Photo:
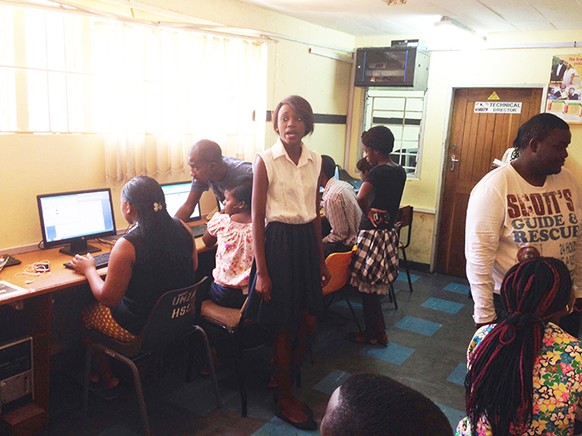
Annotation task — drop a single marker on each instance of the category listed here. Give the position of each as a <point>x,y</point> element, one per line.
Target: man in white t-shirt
<point>530,207</point>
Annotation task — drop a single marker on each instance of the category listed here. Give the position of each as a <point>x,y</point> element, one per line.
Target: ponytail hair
<point>499,383</point>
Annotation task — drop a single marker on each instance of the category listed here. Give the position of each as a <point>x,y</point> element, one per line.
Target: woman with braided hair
<point>525,373</point>
<point>375,263</point>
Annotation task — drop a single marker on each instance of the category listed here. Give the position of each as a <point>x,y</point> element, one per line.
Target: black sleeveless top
<point>163,262</point>
<point>388,182</point>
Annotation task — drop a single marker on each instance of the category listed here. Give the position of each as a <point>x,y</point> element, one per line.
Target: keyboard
<point>199,230</point>
<point>101,261</point>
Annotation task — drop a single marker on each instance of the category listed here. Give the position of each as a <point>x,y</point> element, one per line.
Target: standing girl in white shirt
<point>289,271</point>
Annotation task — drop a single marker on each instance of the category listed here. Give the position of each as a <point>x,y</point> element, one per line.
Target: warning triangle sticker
<point>493,96</point>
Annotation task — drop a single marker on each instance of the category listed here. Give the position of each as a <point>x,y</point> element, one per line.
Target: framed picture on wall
<point>564,95</point>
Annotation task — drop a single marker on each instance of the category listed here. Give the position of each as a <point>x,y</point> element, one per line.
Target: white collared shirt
<point>342,211</point>
<point>292,190</point>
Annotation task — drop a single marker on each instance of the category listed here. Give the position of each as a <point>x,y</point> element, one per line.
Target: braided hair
<point>499,383</point>
<point>539,127</point>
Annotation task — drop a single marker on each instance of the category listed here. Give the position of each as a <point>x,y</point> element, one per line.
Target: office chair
<point>404,219</point>
<point>171,320</point>
<point>338,265</point>
<point>232,322</point>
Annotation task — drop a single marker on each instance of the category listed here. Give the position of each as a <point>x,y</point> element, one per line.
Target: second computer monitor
<point>176,194</point>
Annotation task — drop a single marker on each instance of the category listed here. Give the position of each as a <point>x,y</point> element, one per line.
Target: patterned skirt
<point>293,264</point>
<point>98,317</point>
<point>375,264</point>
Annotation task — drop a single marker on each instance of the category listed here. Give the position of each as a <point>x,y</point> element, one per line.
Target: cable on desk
<point>36,269</point>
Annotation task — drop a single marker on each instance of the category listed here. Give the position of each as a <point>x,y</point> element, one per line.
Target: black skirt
<point>293,264</point>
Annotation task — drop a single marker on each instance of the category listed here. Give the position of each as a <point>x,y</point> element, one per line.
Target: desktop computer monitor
<point>74,217</point>
<point>176,194</point>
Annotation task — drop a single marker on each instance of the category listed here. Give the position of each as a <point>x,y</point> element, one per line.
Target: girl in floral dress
<point>232,231</point>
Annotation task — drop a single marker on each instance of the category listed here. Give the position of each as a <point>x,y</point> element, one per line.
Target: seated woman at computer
<point>210,169</point>
<point>157,255</point>
<point>232,230</point>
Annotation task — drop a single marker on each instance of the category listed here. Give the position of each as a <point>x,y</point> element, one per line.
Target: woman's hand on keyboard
<point>82,264</point>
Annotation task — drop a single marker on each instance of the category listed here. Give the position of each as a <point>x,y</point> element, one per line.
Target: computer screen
<point>176,194</point>
<point>74,217</point>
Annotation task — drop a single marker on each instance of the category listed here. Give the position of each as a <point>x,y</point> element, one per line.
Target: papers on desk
<point>8,290</point>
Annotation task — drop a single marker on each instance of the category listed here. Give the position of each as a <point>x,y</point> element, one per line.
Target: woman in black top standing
<point>375,263</point>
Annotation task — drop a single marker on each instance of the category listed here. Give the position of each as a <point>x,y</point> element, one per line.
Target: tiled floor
<point>428,337</point>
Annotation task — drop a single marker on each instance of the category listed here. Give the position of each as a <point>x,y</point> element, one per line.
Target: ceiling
<point>375,17</point>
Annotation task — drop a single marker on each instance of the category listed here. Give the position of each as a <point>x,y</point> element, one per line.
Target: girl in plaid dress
<point>375,263</point>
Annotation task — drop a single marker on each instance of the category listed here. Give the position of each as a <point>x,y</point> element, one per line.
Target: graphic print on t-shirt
<point>546,221</point>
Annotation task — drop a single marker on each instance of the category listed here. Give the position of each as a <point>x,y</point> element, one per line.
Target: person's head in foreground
<point>499,383</point>
<point>372,404</point>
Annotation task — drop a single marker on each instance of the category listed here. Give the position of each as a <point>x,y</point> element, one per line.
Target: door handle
<point>453,161</point>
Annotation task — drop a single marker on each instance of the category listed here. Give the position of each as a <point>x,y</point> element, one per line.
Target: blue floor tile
<point>418,325</point>
<point>458,374</point>
<point>330,382</point>
<point>277,426</point>
<point>442,305</point>
<point>393,353</point>
<point>458,288</point>
<point>402,277</point>
<point>453,415</point>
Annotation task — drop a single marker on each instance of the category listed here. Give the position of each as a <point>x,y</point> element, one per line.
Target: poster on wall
<point>564,97</point>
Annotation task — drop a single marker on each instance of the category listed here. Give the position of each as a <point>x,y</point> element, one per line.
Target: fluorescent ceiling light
<point>452,34</point>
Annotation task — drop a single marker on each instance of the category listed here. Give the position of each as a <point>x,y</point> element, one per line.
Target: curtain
<point>149,91</point>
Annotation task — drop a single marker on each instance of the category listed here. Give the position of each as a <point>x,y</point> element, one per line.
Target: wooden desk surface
<point>59,277</point>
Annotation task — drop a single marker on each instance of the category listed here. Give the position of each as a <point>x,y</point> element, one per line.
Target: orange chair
<point>338,265</point>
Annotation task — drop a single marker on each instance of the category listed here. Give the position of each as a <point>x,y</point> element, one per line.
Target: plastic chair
<point>338,265</point>
<point>404,219</point>
<point>170,320</point>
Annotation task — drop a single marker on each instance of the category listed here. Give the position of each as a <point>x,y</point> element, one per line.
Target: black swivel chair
<point>171,320</point>
<point>404,220</point>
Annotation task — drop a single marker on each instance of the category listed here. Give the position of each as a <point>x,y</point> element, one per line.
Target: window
<point>401,110</point>
<point>150,91</point>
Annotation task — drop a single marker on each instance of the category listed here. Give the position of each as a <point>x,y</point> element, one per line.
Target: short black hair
<point>373,404</point>
<point>538,127</point>
<point>241,188</point>
<point>327,166</point>
<point>363,165</point>
<point>380,138</point>
<point>301,107</point>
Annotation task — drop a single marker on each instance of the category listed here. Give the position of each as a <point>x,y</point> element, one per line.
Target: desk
<point>31,314</point>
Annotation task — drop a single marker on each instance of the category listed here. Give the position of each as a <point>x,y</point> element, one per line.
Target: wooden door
<point>475,139</point>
